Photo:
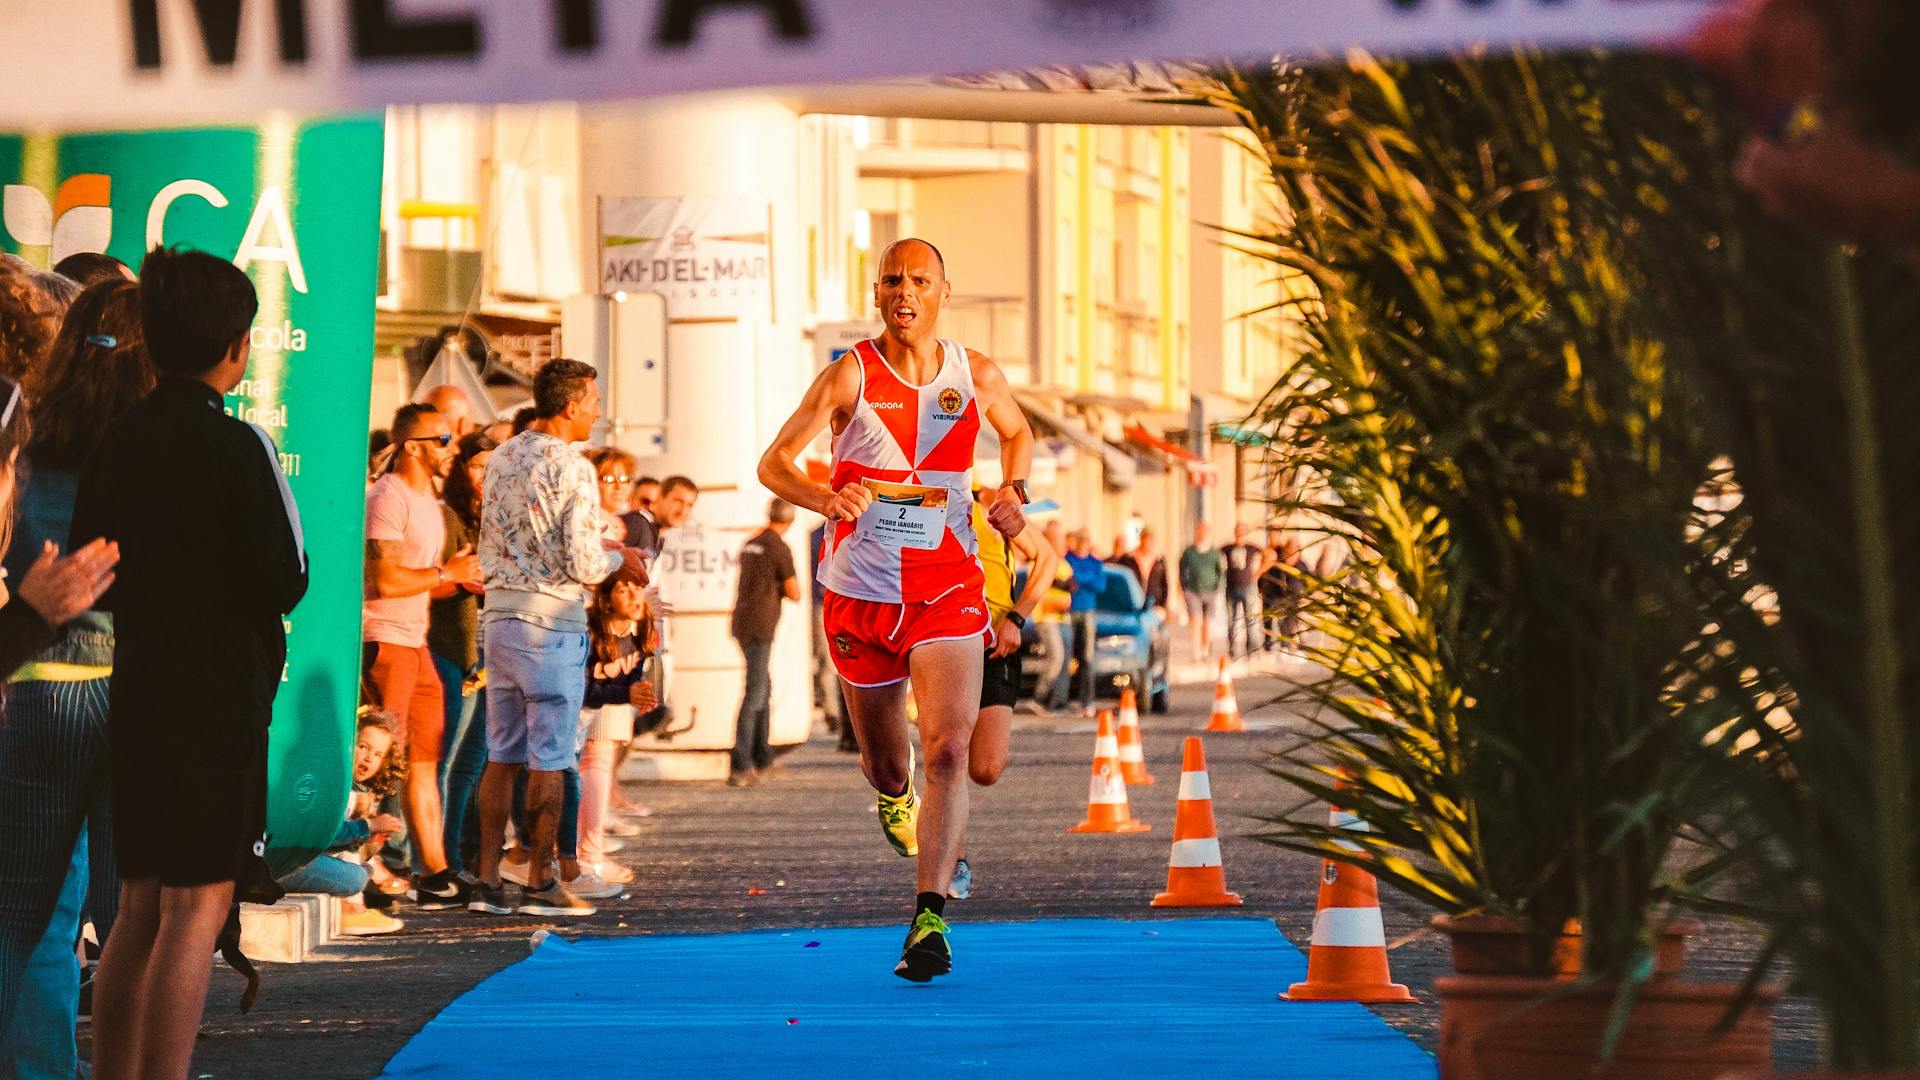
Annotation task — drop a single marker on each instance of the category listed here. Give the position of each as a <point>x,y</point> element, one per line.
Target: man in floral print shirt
<point>542,548</point>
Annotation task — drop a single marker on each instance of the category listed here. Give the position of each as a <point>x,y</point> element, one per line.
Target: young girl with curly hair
<point>379,769</point>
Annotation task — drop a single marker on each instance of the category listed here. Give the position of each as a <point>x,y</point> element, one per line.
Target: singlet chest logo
<point>950,401</point>
<point>882,406</point>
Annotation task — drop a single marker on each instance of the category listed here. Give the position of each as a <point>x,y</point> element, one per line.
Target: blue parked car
<point>1132,641</point>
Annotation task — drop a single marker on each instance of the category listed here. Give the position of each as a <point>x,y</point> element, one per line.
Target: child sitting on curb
<point>379,765</point>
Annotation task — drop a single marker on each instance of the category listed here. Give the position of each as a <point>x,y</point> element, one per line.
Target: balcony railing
<point>947,134</point>
<point>995,325</point>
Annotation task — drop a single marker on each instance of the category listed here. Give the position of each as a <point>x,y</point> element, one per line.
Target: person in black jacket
<point>211,561</point>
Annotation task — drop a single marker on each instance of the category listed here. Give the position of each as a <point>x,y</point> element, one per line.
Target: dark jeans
<point>1085,629</point>
<point>1276,619</point>
<point>750,732</point>
<point>463,759</point>
<point>53,782</point>
<point>1243,611</point>
<point>1051,689</point>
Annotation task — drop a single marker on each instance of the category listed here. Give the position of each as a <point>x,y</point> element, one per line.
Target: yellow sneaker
<point>899,819</point>
<point>365,922</point>
<point>926,953</point>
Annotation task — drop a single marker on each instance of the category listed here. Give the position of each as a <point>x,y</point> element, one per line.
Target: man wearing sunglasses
<point>405,536</point>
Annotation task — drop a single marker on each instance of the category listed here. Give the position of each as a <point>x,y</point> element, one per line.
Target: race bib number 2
<point>905,515</point>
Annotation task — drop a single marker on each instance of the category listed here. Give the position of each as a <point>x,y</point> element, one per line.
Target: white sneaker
<point>614,872</point>
<point>591,886</point>
<point>515,872</point>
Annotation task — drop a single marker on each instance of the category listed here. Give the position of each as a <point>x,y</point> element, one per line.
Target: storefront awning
<point>1045,471</point>
<point>1120,469</point>
<point>1240,436</point>
<point>1200,472</point>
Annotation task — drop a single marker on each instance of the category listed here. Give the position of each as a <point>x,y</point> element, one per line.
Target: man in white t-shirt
<point>405,534</point>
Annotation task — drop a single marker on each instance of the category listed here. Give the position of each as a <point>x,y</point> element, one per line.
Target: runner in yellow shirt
<point>1000,681</point>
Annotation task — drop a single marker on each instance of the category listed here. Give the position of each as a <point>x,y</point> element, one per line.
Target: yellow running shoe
<point>900,818</point>
<point>926,953</point>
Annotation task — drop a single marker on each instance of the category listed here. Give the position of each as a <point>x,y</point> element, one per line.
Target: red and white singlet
<point>902,436</point>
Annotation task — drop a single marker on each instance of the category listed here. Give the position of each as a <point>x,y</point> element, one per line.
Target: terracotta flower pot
<point>1521,1027</point>
<point>1822,1074</point>
<point>1494,945</point>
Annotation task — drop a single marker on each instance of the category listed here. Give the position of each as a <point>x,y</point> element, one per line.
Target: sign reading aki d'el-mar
<point>297,206</point>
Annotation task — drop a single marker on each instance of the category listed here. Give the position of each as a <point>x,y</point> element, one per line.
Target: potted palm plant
<point>1485,415</point>
<point>1814,643</point>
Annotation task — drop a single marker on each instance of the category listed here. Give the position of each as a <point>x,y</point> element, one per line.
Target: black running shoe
<point>438,892</point>
<point>489,899</point>
<point>926,953</point>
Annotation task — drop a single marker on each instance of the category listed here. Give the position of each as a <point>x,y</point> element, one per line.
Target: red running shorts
<point>869,640</point>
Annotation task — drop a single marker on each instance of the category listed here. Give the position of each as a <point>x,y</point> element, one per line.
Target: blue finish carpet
<point>1058,999</point>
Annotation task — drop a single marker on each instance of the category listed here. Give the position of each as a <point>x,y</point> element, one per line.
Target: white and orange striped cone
<point>1226,707</point>
<point>1348,959</point>
<point>1195,875</point>
<point>1133,761</point>
<point>1107,810</point>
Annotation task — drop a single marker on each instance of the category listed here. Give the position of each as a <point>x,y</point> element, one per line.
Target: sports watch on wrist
<point>1017,619</point>
<point>1019,488</point>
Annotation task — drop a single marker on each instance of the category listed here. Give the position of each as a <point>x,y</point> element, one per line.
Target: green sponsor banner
<point>297,205</point>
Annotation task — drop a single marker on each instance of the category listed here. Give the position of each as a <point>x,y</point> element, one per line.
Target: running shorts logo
<point>950,400</point>
<point>971,611</point>
<point>843,645</point>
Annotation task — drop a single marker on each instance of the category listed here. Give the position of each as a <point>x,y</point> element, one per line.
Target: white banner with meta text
<point>114,63</point>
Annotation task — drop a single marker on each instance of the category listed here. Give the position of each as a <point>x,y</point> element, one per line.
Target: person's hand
<point>643,697</point>
<point>1006,515</point>
<point>634,562</point>
<point>384,824</point>
<point>1006,639</point>
<point>660,608</point>
<point>1767,53</point>
<point>60,589</point>
<point>464,568</point>
<point>1838,181</point>
<point>848,503</point>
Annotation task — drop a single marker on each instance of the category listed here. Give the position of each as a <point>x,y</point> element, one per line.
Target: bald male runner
<point>900,566</point>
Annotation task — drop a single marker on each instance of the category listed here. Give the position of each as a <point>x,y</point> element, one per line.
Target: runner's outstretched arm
<point>998,408</point>
<point>832,395</point>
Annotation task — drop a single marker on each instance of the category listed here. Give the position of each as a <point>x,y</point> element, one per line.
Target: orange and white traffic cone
<point>1348,958</point>
<point>1226,707</point>
<point>1107,794</point>
<point>1133,762</point>
<point>1195,875</point>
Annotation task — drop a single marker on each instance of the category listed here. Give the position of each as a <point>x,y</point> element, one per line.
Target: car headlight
<point>1114,643</point>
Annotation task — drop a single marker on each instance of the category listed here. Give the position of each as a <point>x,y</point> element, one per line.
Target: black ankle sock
<point>930,901</point>
<point>904,788</point>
